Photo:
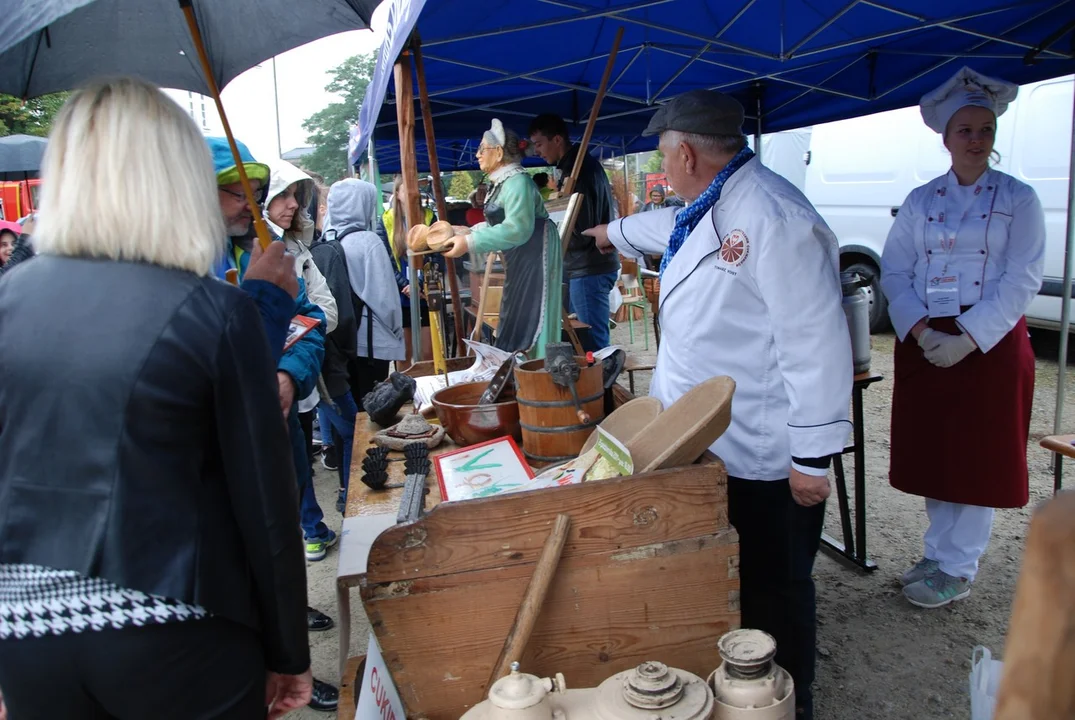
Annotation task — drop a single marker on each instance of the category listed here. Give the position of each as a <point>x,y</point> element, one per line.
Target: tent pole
<point>757,130</point>
<point>628,195</point>
<point>584,144</point>
<point>408,166</point>
<point>260,228</point>
<point>438,192</point>
<point>1065,309</point>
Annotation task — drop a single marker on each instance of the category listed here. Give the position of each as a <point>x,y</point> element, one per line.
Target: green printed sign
<point>612,450</point>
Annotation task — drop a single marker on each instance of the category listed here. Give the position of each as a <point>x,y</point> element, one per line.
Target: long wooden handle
<point>1039,654</point>
<point>569,184</point>
<point>262,230</point>
<point>526,618</point>
<point>480,319</point>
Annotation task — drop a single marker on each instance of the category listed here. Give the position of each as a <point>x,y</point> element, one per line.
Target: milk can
<point>748,685</point>
<point>856,305</point>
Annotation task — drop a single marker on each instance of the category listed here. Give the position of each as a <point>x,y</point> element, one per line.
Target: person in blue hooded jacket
<point>298,366</point>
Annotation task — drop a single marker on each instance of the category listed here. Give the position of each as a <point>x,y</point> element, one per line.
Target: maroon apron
<point>959,434</point>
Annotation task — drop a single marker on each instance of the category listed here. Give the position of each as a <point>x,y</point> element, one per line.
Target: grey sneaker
<point>937,590</point>
<point>921,570</point>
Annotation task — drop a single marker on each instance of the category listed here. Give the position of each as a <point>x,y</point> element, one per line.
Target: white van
<point>858,173</point>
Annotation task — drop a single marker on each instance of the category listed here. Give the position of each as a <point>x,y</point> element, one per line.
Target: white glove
<point>930,339</point>
<point>952,349</point>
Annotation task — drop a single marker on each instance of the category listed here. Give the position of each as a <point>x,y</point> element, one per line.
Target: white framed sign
<point>378,698</point>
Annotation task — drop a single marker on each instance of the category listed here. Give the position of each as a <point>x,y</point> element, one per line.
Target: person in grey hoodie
<point>352,211</point>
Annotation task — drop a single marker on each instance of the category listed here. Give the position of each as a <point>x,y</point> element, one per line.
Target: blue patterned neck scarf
<point>688,217</point>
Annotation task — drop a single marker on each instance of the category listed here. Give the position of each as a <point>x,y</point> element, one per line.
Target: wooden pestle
<point>1039,657</point>
<point>530,608</point>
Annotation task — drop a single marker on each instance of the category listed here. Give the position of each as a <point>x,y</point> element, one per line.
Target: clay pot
<point>467,422</point>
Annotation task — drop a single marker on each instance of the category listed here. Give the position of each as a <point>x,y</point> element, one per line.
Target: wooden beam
<point>438,191</point>
<point>1039,655</point>
<point>407,152</point>
<point>569,184</point>
<point>408,167</point>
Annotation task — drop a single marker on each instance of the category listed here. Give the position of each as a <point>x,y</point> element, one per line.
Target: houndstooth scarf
<point>689,217</point>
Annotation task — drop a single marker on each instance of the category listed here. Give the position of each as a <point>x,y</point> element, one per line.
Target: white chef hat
<point>966,87</point>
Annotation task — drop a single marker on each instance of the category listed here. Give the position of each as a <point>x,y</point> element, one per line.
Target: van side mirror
<point>806,157</point>
<point>895,211</point>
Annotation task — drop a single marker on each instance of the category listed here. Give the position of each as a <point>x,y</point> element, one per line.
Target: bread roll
<point>440,233</point>
<point>416,238</point>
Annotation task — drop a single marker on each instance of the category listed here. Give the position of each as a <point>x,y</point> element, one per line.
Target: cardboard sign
<point>378,698</point>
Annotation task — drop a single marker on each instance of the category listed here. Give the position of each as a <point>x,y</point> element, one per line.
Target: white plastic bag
<point>985,675</point>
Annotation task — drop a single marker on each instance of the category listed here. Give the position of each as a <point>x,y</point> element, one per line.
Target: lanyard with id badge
<point>942,288</point>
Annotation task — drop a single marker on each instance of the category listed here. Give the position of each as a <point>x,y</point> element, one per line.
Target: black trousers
<point>193,670</point>
<point>778,540</point>
<point>363,374</point>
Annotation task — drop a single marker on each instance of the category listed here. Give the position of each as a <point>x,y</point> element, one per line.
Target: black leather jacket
<point>141,441</point>
<point>583,258</point>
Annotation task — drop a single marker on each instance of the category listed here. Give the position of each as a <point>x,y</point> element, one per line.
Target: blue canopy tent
<point>791,63</point>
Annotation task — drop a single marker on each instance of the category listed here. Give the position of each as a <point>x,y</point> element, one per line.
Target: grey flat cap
<point>705,112</point>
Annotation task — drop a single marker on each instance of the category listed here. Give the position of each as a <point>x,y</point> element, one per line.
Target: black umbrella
<point>52,45</point>
<point>20,156</point>
<point>198,45</point>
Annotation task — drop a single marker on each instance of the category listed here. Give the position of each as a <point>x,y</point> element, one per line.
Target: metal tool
<point>434,282</point>
<point>500,380</point>
<point>412,504</point>
<point>561,365</point>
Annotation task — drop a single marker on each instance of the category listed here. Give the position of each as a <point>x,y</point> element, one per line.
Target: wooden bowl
<point>468,423</point>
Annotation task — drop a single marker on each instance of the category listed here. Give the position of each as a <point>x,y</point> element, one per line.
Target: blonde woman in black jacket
<point>154,568</point>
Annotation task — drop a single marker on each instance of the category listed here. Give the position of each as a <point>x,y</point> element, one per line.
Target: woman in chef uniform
<point>961,265</point>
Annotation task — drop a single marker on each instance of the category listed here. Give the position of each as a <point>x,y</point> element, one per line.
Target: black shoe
<point>328,458</point>
<point>317,621</point>
<point>324,697</point>
<point>341,501</point>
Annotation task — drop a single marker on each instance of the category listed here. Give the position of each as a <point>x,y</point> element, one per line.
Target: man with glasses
<point>298,367</point>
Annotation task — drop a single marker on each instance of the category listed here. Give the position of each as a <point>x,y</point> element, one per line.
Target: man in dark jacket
<point>337,409</point>
<point>590,274</point>
<point>298,366</point>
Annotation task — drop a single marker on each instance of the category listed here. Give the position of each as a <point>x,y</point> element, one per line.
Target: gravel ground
<point>879,657</point>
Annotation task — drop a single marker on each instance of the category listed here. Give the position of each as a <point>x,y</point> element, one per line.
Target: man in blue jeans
<point>590,274</point>
<point>337,409</point>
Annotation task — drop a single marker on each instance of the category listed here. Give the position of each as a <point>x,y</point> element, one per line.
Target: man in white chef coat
<point>750,288</point>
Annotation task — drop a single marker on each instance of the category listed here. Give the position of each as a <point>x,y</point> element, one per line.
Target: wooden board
<point>649,572</point>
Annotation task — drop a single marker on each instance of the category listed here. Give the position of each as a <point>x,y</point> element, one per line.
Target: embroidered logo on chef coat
<point>735,248</point>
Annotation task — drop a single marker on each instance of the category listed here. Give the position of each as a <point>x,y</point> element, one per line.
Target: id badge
<point>942,295</point>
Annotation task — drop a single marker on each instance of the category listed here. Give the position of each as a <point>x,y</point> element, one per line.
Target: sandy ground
<point>879,657</point>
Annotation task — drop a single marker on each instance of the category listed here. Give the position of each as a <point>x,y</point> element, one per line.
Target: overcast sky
<point>301,76</point>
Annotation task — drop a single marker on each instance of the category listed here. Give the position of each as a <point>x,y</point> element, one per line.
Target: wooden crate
<point>649,572</point>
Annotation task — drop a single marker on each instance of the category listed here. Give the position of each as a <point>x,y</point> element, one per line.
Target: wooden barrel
<point>550,424</point>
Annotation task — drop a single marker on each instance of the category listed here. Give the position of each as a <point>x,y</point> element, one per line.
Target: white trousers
<point>957,536</point>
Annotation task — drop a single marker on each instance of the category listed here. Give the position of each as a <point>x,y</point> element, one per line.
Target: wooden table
<point>853,549</point>
<point>488,334</point>
<point>369,513</point>
<point>1063,446</point>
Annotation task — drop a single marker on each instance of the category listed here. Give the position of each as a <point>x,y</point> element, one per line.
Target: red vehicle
<point>18,198</point>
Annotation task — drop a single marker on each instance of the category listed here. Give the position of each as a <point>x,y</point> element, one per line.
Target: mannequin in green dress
<point>519,227</point>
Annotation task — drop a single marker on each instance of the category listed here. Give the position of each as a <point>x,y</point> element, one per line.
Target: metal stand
<point>852,550</point>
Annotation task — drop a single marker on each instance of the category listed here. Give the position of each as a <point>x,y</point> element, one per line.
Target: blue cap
<point>224,163</point>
